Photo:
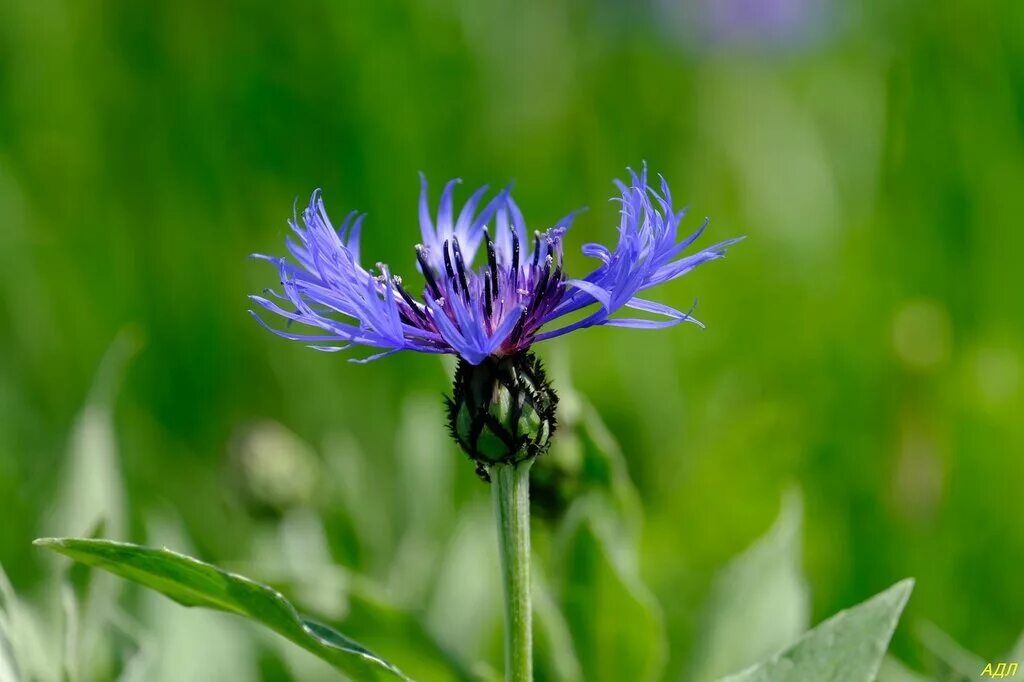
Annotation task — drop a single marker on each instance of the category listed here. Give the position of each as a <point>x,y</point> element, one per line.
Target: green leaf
<point>1016,654</point>
<point>91,501</point>
<point>8,663</point>
<point>9,670</point>
<point>759,603</point>
<point>91,489</point>
<point>191,582</point>
<point>88,602</point>
<point>175,644</point>
<point>945,658</point>
<point>555,658</point>
<point>375,621</point>
<point>848,647</point>
<point>615,622</point>
<point>23,639</point>
<point>295,559</point>
<point>893,670</point>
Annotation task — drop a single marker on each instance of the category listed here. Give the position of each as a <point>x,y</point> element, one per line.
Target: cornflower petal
<point>500,307</point>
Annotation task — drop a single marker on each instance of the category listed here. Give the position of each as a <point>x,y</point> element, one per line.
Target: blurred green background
<point>865,344</point>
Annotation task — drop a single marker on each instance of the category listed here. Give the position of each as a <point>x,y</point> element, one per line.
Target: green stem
<point>510,486</point>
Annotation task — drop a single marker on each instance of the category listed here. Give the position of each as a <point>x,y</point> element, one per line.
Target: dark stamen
<point>536,248</point>
<point>515,258</point>
<point>556,278</point>
<point>428,273</point>
<point>551,297</point>
<point>460,266</point>
<point>492,261</point>
<point>409,299</point>
<point>517,330</point>
<point>542,284</point>
<point>488,307</point>
<point>448,267</point>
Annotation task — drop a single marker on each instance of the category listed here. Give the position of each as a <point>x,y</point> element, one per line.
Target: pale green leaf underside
<point>846,648</point>
<point>191,582</point>
<point>759,603</point>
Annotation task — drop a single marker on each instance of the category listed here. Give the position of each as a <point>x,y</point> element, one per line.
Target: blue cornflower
<point>519,293</point>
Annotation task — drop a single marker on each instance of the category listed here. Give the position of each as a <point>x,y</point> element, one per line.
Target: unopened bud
<point>502,410</point>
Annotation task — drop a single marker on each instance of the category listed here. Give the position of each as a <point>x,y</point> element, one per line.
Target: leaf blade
<point>848,647</point>
<point>615,622</point>
<point>945,658</point>
<point>759,603</point>
<point>191,582</point>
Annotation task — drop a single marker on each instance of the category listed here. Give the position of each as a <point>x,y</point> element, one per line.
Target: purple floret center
<point>500,289</point>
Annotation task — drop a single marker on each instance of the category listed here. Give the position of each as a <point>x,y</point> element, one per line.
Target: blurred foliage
<point>865,343</point>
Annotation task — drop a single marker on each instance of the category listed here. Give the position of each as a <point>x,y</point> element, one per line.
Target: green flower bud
<point>502,410</point>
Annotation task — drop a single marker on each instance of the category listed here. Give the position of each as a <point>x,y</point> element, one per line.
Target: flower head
<point>490,288</point>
